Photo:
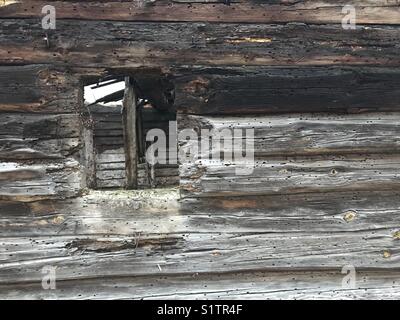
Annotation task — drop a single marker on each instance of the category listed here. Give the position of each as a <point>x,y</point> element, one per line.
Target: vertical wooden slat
<point>89,157</point>
<point>129,122</point>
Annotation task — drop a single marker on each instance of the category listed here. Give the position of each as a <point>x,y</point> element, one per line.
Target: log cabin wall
<point>324,103</point>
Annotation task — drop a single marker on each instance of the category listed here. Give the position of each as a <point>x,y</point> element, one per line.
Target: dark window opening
<point>116,141</point>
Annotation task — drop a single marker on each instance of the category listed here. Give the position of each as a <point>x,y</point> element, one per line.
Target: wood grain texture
<point>26,136</point>
<point>25,181</point>
<point>85,239</point>
<point>129,120</point>
<point>295,153</point>
<point>267,90</point>
<point>301,134</point>
<point>139,44</point>
<point>37,88</point>
<point>327,11</point>
<point>250,285</point>
<point>290,175</point>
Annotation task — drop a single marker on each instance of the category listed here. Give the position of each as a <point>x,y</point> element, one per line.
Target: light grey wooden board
<point>39,136</point>
<point>120,235</point>
<point>250,285</point>
<point>119,212</point>
<point>291,175</point>
<point>93,256</point>
<point>305,134</point>
<point>34,181</point>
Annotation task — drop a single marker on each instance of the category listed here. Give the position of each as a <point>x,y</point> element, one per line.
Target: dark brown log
<point>37,88</point>
<point>248,90</point>
<point>134,45</point>
<point>266,11</point>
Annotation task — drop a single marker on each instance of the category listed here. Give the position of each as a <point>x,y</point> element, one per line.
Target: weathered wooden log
<point>299,134</point>
<point>294,285</point>
<point>37,88</point>
<point>133,45</point>
<point>208,178</point>
<point>266,11</point>
<point>84,238</point>
<point>44,180</point>
<point>149,211</point>
<point>38,136</point>
<point>246,90</point>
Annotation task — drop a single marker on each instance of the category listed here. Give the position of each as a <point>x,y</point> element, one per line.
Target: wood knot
<point>396,235</point>
<point>349,215</point>
<point>197,86</point>
<point>387,254</point>
<point>333,172</point>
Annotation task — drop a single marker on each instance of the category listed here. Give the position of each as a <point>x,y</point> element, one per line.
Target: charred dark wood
<point>265,90</point>
<point>37,88</point>
<point>134,45</point>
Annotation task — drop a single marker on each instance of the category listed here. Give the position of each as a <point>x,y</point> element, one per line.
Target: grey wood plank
<point>155,235</point>
<point>301,134</point>
<point>250,285</point>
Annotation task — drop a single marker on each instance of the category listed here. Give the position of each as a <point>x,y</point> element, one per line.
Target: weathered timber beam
<point>142,232</point>
<point>313,285</point>
<point>38,136</point>
<point>129,119</point>
<point>43,180</point>
<point>286,175</point>
<point>136,44</point>
<point>146,211</point>
<point>247,90</point>
<point>194,253</point>
<point>303,134</point>
<point>326,11</point>
<point>37,88</point>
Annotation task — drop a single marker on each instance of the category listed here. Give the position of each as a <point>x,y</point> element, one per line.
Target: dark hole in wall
<point>103,98</point>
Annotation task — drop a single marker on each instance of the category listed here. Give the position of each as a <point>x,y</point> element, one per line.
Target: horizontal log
<point>111,156</point>
<point>155,211</point>
<point>78,257</point>
<point>327,11</point>
<point>85,239</point>
<point>37,88</point>
<point>300,134</point>
<point>214,178</point>
<point>139,44</point>
<point>252,285</point>
<point>38,136</point>
<point>42,180</point>
<point>247,90</point>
